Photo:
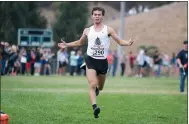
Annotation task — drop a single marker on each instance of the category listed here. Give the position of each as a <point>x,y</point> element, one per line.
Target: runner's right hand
<point>131,41</point>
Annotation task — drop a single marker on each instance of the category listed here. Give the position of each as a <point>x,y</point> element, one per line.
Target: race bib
<point>98,52</point>
<point>98,48</point>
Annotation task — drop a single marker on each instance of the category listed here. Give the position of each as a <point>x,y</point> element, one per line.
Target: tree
<point>71,20</point>
<point>15,15</point>
<point>150,50</point>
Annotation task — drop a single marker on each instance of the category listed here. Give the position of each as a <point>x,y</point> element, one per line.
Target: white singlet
<point>98,43</point>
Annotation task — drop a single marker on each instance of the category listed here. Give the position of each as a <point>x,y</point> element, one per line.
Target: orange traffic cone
<point>4,118</point>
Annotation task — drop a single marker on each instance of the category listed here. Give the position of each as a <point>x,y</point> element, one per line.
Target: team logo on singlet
<point>98,48</point>
<point>97,41</point>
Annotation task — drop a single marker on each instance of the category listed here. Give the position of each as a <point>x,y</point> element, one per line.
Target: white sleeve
<point>137,59</point>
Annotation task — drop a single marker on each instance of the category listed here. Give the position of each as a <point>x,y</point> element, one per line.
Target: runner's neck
<point>98,27</point>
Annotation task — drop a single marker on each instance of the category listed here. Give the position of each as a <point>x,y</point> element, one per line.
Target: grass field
<point>64,100</point>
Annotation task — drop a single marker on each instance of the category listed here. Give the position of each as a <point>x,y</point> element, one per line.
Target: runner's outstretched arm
<point>113,34</point>
<point>76,43</point>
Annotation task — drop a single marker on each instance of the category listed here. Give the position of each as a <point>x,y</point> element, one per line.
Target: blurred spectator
<point>12,61</point>
<point>2,61</point>
<point>140,63</point>
<point>47,56</point>
<point>131,62</point>
<point>28,64</point>
<point>115,63</point>
<point>110,61</point>
<point>62,61</point>
<point>73,62</point>
<point>123,63</point>
<point>32,62</point>
<point>166,64</point>
<point>23,60</point>
<point>173,64</point>
<point>37,64</point>
<point>4,56</point>
<point>148,64</point>
<point>182,60</point>
<point>79,62</point>
<point>157,63</point>
<point>42,61</point>
<point>1,56</point>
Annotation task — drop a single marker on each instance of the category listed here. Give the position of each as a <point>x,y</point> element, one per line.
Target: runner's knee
<point>93,85</point>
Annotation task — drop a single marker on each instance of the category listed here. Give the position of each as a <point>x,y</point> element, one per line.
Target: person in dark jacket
<point>182,60</point>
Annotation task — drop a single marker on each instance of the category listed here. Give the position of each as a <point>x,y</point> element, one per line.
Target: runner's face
<point>97,17</point>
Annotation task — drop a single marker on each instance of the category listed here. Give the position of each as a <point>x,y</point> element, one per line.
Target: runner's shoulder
<point>110,29</point>
<point>86,31</point>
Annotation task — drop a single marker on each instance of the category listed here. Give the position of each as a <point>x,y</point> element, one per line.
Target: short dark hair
<point>185,42</point>
<point>99,9</point>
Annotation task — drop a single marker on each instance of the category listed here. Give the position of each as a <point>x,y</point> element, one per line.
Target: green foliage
<point>142,47</point>
<point>16,15</point>
<point>71,21</point>
<point>150,50</point>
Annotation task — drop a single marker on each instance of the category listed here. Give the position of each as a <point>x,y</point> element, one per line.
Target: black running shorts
<point>99,65</point>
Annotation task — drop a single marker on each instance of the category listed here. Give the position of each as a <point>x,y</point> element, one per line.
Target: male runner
<point>98,47</point>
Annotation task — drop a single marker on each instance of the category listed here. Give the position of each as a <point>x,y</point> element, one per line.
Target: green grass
<point>64,100</point>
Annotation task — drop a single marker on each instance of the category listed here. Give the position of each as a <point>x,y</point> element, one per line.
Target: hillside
<point>164,27</point>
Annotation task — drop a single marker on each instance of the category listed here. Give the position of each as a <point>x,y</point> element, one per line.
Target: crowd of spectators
<point>37,61</point>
